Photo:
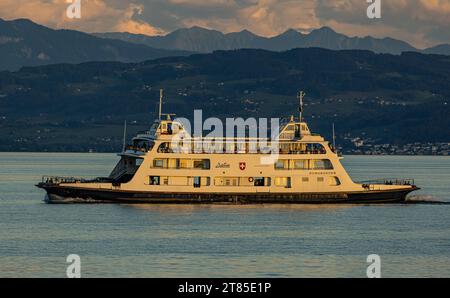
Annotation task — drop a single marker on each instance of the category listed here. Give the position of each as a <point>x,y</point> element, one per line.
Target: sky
<point>422,23</point>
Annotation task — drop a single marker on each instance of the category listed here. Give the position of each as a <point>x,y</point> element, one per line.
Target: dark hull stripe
<point>58,194</point>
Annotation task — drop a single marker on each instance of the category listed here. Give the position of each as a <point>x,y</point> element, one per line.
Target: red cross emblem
<point>242,166</point>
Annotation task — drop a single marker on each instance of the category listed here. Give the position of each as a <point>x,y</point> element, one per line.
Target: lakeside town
<point>359,146</point>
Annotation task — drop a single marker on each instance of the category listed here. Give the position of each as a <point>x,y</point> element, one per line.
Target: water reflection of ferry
<point>151,170</point>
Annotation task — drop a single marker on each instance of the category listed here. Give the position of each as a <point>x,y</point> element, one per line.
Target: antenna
<point>161,96</point>
<point>124,136</point>
<point>334,139</point>
<point>300,96</point>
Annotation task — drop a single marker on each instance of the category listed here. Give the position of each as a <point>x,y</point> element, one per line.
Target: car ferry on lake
<point>307,170</point>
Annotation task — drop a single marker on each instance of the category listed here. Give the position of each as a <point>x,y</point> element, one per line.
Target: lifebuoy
<point>250,179</point>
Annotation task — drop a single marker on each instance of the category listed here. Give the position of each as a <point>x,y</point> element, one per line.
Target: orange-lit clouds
<point>204,2</point>
<point>422,22</point>
<point>263,17</point>
<point>442,6</point>
<point>97,15</point>
<point>128,24</point>
<point>271,17</point>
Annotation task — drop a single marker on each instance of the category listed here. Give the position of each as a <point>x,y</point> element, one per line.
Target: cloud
<point>44,12</point>
<point>413,20</point>
<point>271,17</point>
<point>421,22</point>
<point>96,15</point>
<point>439,6</point>
<point>129,24</point>
<point>203,3</point>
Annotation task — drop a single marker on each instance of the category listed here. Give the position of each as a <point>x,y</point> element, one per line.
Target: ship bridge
<point>168,128</point>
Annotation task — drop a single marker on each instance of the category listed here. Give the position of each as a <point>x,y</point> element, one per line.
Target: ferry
<point>307,170</point>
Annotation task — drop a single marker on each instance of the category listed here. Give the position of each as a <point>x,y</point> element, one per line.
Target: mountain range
<point>197,39</point>
<point>25,43</point>
<point>396,99</point>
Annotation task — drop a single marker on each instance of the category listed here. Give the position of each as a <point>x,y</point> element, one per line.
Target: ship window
<point>297,131</point>
<point>334,181</point>
<point>259,181</point>
<point>141,145</point>
<point>164,148</point>
<point>154,180</point>
<point>279,165</point>
<point>301,164</point>
<point>290,128</point>
<point>282,165</point>
<point>184,163</point>
<point>159,163</point>
<point>332,148</point>
<point>204,164</point>
<point>320,179</point>
<point>198,164</point>
<point>305,179</point>
<point>197,182</point>
<point>322,164</point>
<point>206,181</point>
<point>165,181</point>
<point>283,182</point>
<point>173,163</point>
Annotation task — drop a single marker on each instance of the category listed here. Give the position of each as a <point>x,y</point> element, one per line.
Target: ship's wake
<point>425,200</point>
<point>63,201</point>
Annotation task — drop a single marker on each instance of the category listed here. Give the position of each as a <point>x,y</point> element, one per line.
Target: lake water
<point>221,241</point>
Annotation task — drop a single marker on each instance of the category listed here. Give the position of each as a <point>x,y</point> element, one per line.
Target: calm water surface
<point>221,241</point>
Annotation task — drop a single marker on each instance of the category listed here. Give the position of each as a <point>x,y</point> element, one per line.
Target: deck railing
<point>390,181</point>
<point>72,180</point>
<point>373,184</point>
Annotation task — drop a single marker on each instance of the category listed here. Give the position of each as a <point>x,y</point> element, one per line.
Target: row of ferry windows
<point>205,164</point>
<point>182,163</point>
<point>244,148</point>
<point>303,164</point>
<point>198,182</point>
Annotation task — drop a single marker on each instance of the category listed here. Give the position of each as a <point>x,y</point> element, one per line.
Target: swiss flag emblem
<point>242,166</point>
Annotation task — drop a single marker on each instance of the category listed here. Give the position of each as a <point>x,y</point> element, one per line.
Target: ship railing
<point>372,184</point>
<point>72,180</point>
<point>244,151</point>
